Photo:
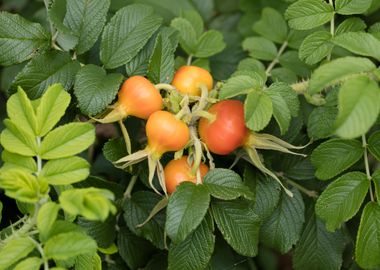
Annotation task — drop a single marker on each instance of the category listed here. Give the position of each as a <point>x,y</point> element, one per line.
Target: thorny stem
<point>310,193</point>
<point>42,253</point>
<point>366,164</point>
<point>277,59</point>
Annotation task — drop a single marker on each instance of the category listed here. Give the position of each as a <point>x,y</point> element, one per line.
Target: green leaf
<point>134,250</point>
<point>271,25</point>
<point>65,171</point>
<point>333,72</point>
<point>52,107</point>
<point>349,7</point>
<point>315,47</point>
<point>21,112</point>
<point>95,89</point>
<point>195,19</point>
<point>136,211</point>
<point>288,94</point>
<point>65,245</point>
<point>88,262</point>
<point>12,160</point>
<point>376,180</point>
<point>186,209</point>
<point>257,110</point>
<point>267,191</point>
<point>308,14</point>
<point>31,263</point>
<point>342,199</point>
<point>67,140</point>
<point>321,122</point>
<point>47,215</point>
<point>103,233</point>
<point>238,224</point>
<point>352,24</point>
<point>91,203</point>
<point>20,185</point>
<point>225,184</point>
<point>16,140</point>
<point>360,43</point>
<point>20,39</point>
<point>368,238</point>
<point>239,85</point>
<point>281,111</point>
<point>86,20</point>
<point>260,48</point>
<point>335,156</point>
<point>373,145</point>
<point>45,70</point>
<point>196,250</point>
<point>161,65</point>
<point>127,33</point>
<point>291,61</point>
<point>283,228</point>
<point>283,75</point>
<point>187,35</point>
<point>318,248</point>
<point>359,106</point>
<point>14,250</point>
<point>209,43</point>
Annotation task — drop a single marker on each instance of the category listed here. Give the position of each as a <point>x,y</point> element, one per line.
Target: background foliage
<point>306,70</point>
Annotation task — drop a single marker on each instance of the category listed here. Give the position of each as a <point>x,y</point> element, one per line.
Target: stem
<point>332,27</point>
<point>276,60</point>
<point>41,251</point>
<point>127,140</point>
<point>189,59</point>
<point>128,191</point>
<point>366,164</point>
<point>310,193</point>
<point>39,160</point>
<point>165,86</point>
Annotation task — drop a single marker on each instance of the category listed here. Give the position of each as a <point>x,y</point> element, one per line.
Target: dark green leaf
<point>260,48</point>
<point>186,209</point>
<point>45,70</point>
<point>283,228</point>
<point>238,224</point>
<point>334,156</point>
<point>20,39</point>
<point>103,233</point>
<point>95,89</point>
<point>341,200</point>
<point>374,144</point>
<point>352,24</point>
<point>348,7</point>
<point>368,238</point>
<point>127,33</point>
<point>272,25</point>
<point>315,47</point>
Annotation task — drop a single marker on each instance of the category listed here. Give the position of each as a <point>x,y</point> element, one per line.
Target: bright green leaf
<point>66,245</point>
<point>352,24</point>
<point>65,171</point>
<point>281,111</point>
<point>14,250</point>
<point>12,160</point>
<point>209,43</point>
<point>52,107</point>
<point>31,263</point>
<point>47,215</point>
<point>16,140</point>
<point>67,140</point>
<point>187,35</point>
<point>239,85</point>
